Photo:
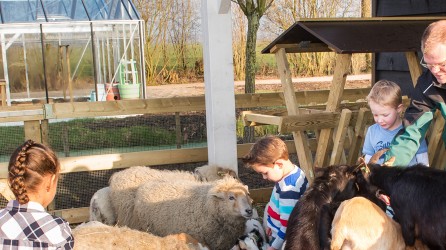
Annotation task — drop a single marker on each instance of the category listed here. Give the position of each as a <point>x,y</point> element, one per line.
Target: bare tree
<point>253,10</point>
<point>239,42</point>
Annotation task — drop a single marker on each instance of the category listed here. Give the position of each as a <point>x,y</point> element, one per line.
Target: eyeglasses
<point>440,66</point>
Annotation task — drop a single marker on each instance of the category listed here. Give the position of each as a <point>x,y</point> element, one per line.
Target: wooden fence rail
<point>35,118</point>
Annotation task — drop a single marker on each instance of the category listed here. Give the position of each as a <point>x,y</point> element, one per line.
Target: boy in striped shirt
<point>269,157</point>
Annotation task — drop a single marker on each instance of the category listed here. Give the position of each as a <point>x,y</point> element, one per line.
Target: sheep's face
<point>235,201</point>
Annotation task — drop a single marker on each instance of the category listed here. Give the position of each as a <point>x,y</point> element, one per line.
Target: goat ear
<point>390,162</point>
<point>374,159</point>
<point>362,165</point>
<point>318,171</point>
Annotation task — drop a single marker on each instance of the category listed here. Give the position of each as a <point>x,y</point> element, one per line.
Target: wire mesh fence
<point>118,134</point>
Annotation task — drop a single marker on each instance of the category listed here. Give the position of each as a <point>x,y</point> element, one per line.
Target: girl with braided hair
<point>24,223</point>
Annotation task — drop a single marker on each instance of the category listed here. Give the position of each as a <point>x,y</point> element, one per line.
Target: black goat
<point>309,223</point>
<point>418,198</point>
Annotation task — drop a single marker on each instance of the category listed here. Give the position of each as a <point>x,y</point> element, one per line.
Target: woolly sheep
<point>213,173</point>
<point>95,235</point>
<point>212,212</point>
<point>5,190</point>
<point>100,207</point>
<point>123,185</point>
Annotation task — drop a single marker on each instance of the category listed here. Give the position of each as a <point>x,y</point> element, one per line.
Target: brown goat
<point>358,220</point>
<point>360,224</point>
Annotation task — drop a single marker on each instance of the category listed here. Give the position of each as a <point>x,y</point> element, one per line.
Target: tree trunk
<point>251,41</point>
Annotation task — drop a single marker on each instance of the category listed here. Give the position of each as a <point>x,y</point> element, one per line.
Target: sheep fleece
<point>123,186</point>
<point>203,210</point>
<point>99,236</point>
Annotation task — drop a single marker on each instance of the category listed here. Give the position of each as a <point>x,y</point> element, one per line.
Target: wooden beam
<point>414,66</point>
<point>343,63</point>
<point>341,134</point>
<point>149,158</point>
<point>313,121</point>
<point>435,140</point>
<point>260,119</point>
<point>301,143</point>
<point>303,98</point>
<point>73,215</point>
<point>358,137</point>
<point>161,105</point>
<point>32,131</point>
<point>301,47</point>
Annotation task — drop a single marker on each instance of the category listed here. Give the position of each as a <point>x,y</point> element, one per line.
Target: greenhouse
<point>71,50</point>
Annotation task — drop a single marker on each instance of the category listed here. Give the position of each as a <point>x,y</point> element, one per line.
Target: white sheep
<point>123,184</point>
<point>5,190</point>
<point>100,207</point>
<point>212,212</point>
<point>213,173</point>
<point>95,235</point>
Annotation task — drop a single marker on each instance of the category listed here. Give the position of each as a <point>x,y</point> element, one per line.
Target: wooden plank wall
<point>393,66</point>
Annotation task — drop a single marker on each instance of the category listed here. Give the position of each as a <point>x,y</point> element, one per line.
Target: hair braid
<point>17,172</point>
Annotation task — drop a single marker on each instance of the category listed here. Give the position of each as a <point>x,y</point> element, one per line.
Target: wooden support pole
<point>32,131</point>
<point>358,137</point>
<point>302,148</point>
<point>414,66</point>
<point>178,136</point>
<point>3,90</point>
<point>341,134</point>
<point>435,141</point>
<point>342,68</point>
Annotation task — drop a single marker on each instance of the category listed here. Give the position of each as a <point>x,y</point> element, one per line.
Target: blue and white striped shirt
<point>284,197</point>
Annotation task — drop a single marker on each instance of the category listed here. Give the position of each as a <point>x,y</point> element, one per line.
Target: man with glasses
<point>428,96</point>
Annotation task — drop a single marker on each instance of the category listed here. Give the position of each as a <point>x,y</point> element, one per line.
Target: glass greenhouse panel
<point>63,10</point>
<point>71,50</point>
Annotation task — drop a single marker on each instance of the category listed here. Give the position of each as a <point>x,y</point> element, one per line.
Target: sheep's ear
<point>218,195</point>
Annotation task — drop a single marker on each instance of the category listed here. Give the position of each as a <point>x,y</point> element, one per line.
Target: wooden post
<point>300,141</point>
<point>70,84</point>
<point>414,66</point>
<point>32,131</point>
<point>358,136</point>
<point>435,141</point>
<point>179,138</point>
<point>3,91</point>
<point>343,63</point>
<point>341,134</point>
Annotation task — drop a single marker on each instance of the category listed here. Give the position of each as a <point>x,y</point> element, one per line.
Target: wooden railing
<point>35,118</point>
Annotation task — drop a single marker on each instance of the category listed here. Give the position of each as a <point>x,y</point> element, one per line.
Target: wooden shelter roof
<point>353,35</point>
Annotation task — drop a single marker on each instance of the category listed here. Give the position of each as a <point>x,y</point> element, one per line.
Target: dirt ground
<point>262,85</point>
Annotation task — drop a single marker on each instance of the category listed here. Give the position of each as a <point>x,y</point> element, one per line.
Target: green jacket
<point>427,97</point>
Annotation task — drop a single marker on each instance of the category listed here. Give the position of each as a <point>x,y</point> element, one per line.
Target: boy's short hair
<point>385,93</point>
<point>266,151</point>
